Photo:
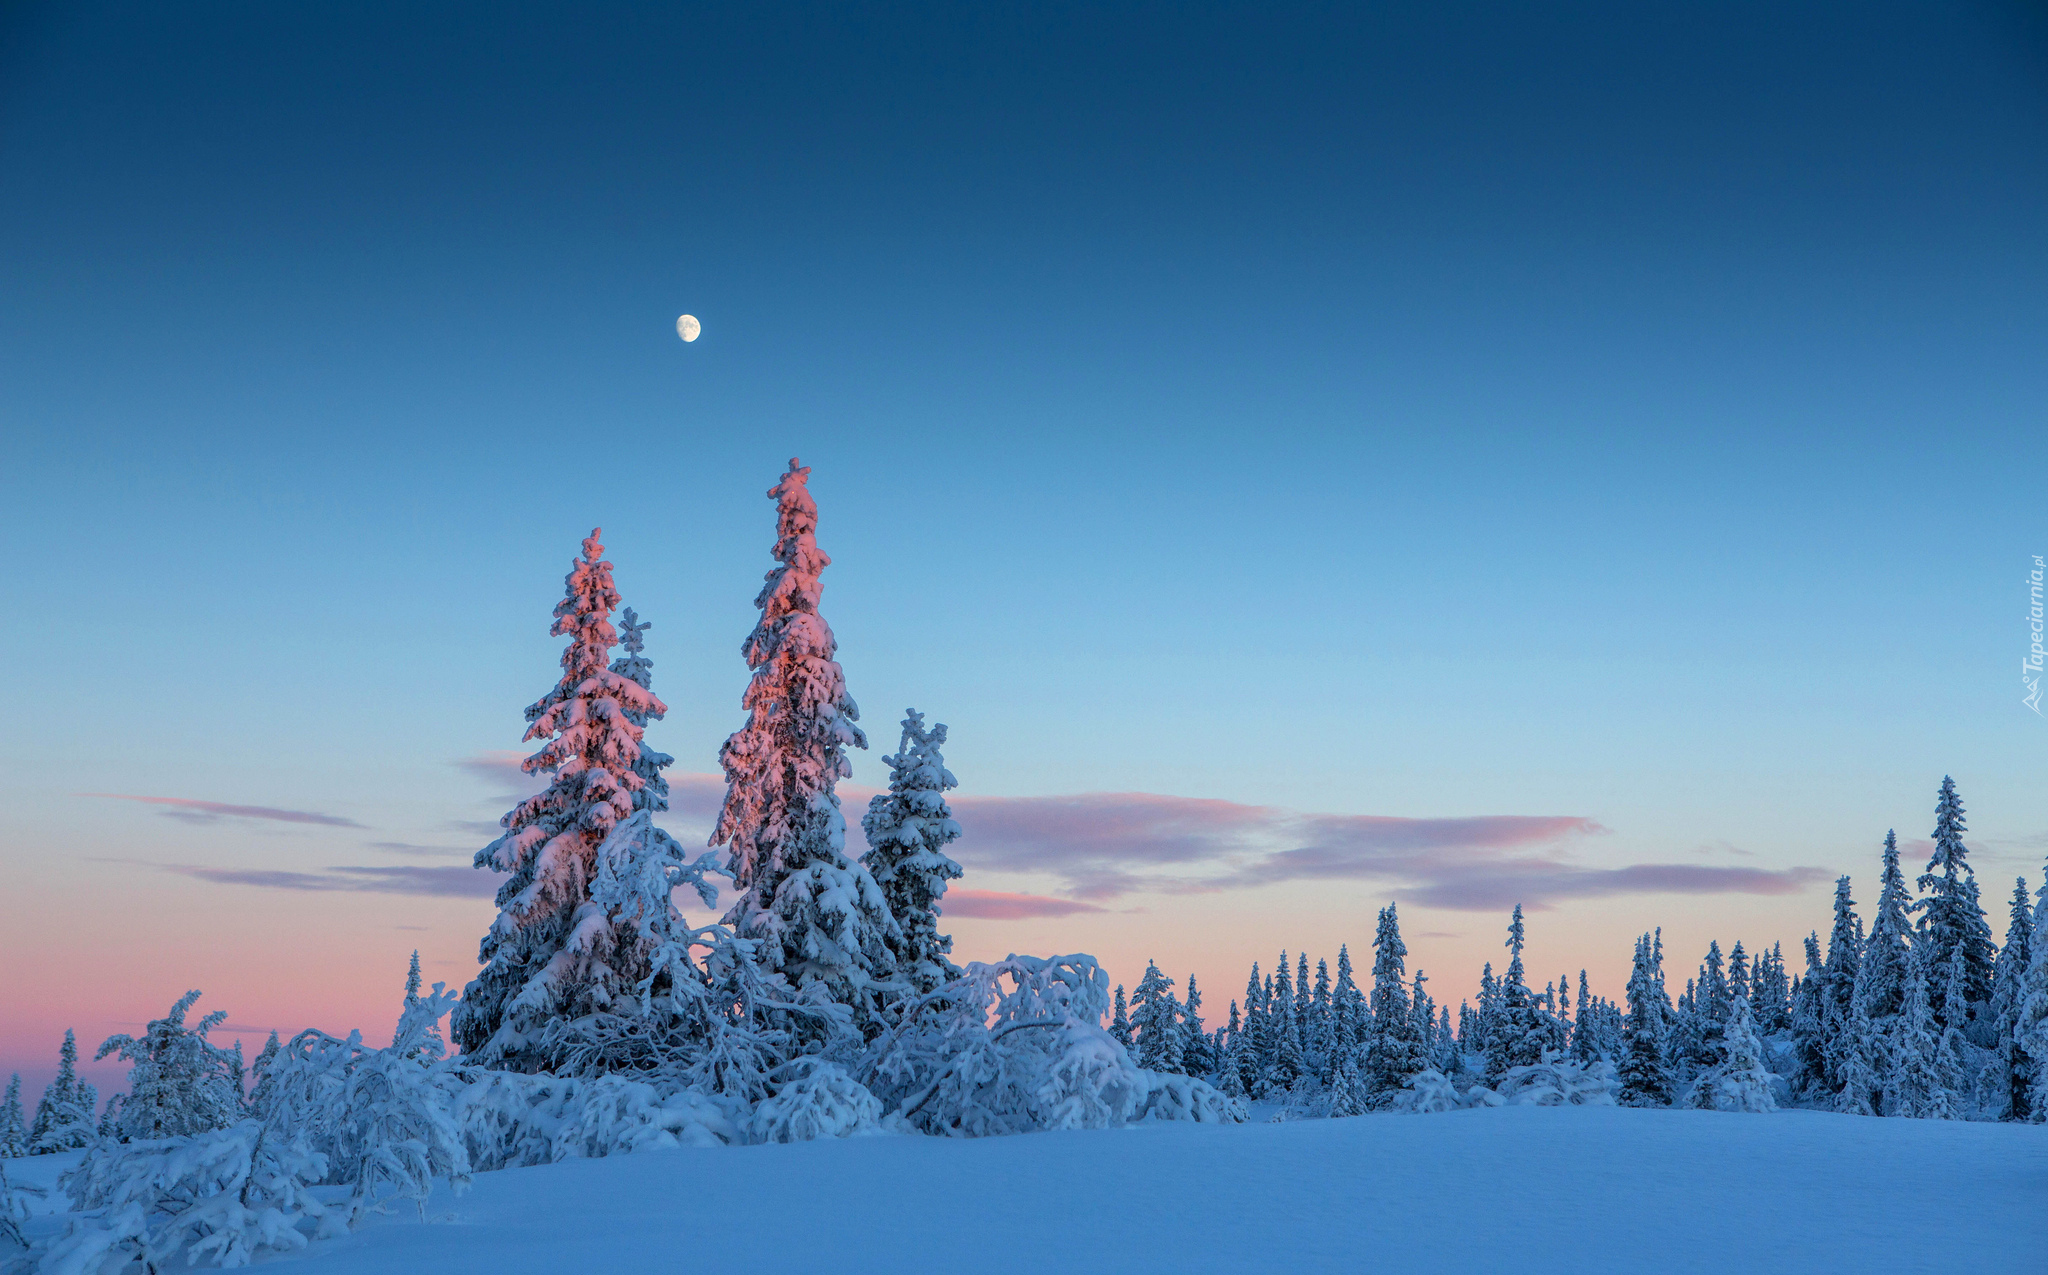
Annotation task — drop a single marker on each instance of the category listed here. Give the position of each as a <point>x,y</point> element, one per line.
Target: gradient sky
<point>1609,438</point>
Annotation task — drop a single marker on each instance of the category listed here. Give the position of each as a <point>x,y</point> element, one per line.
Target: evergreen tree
<point>818,917</point>
<point>1425,1015</point>
<point>1738,976</point>
<point>263,1072</point>
<point>1318,1040</point>
<point>1952,915</point>
<point>1921,1083</point>
<point>1644,1074</point>
<point>908,829</point>
<point>1198,1056</point>
<point>1447,1058</point>
<point>1393,1049</point>
<point>2030,1024</point>
<point>1585,1036</point>
<point>64,1117</point>
<point>13,1133</point>
<point>548,953</point>
<point>1155,1022</point>
<point>1120,1020</point>
<point>1881,980</point>
<point>1807,1021</point>
<point>1862,1058</point>
<point>1520,1033</point>
<point>1743,1082</point>
<point>1285,1066</point>
<point>1348,1010</point>
<point>1344,1085</point>
<point>2015,1069</point>
<point>1230,1070</point>
<point>1838,990</point>
<point>179,1082</point>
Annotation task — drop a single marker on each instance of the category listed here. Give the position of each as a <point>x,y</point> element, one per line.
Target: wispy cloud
<point>209,811</point>
<point>995,905</point>
<point>1102,846</point>
<point>455,882</point>
<point>423,852</point>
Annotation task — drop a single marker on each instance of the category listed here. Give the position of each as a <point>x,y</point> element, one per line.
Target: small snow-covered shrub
<point>1429,1091</point>
<point>382,1118</point>
<point>1018,1045</point>
<point>820,1101</point>
<point>13,1211</point>
<point>511,1119</point>
<point>227,1195</point>
<point>1556,1082</point>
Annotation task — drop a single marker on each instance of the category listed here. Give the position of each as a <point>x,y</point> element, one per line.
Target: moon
<point>687,327</point>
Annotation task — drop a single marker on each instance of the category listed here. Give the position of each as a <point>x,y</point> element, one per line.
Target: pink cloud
<point>207,811</point>
<point>995,905</point>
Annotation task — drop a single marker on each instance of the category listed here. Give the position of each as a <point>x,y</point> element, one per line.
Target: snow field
<point>1517,1189</point>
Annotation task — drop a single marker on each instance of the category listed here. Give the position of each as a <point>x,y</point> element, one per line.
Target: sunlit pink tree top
<point>791,752</point>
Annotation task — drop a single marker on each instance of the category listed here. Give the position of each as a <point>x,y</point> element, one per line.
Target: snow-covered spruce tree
<point>1586,1043</point>
<point>1881,979</point>
<point>64,1117</point>
<point>1838,987</point>
<point>1919,1083</point>
<point>1808,1024</point>
<point>1742,1082</point>
<point>179,1082</point>
<point>549,955</point>
<point>1120,1020</point>
<point>908,829</point>
<point>1348,1012</point>
<point>1393,1049</point>
<point>1198,1055</point>
<point>13,1132</point>
<point>1344,1086</point>
<point>2015,1069</point>
<point>1952,915</point>
<point>817,917</point>
<point>263,1072</point>
<point>1645,1075</point>
<point>1155,1022</point>
<point>1318,1034</point>
<point>1521,1031</point>
<point>2030,1024</point>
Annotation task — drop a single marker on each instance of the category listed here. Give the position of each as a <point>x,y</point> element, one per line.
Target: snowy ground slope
<point>1523,1189</point>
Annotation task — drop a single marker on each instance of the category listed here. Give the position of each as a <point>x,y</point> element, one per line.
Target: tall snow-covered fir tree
<point>818,916</point>
<point>1348,1012</point>
<point>64,1117</point>
<point>550,954</point>
<point>1808,1022</point>
<point>13,1130</point>
<point>1197,1050</point>
<point>1155,1022</point>
<point>1952,914</point>
<point>1120,1019</point>
<point>1644,1072</point>
<point>2007,990</point>
<point>1838,1003</point>
<point>1393,1047</point>
<point>908,829</point>
<point>1881,979</point>
<point>1521,1030</point>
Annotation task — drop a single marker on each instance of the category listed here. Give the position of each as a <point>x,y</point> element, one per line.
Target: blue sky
<point>1409,411</point>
